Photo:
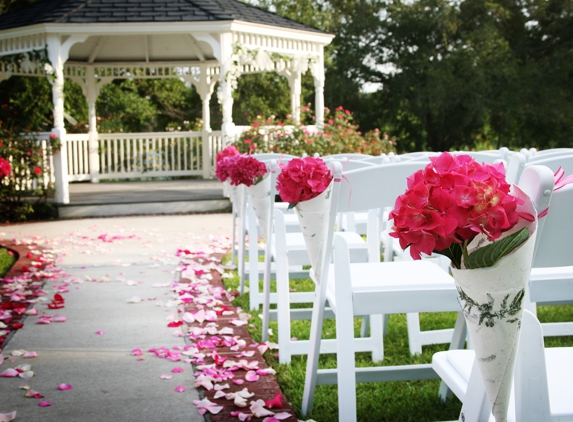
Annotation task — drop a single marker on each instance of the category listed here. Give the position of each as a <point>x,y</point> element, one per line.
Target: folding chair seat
<point>542,379</point>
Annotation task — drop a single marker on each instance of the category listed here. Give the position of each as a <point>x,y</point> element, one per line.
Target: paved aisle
<point>126,257</point>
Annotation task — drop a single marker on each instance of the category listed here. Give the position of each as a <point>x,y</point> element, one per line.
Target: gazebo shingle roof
<point>132,11</point>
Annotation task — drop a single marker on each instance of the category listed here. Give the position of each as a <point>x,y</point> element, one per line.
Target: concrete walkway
<point>108,382</point>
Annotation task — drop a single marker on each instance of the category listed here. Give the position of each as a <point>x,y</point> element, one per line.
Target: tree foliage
<point>450,75</point>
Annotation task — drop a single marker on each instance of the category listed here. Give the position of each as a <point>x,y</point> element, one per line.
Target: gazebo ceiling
<point>141,48</point>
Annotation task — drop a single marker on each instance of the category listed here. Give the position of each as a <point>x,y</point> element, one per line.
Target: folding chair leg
<point>346,366</point>
<point>233,235</point>
<point>478,409</point>
<point>314,350</point>
<point>241,247</point>
<point>458,342</point>
<point>283,313</point>
<point>365,327</point>
<point>254,292</point>
<point>377,335</point>
<point>414,339</point>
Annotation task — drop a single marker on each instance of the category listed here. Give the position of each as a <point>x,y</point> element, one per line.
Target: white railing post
<point>206,146</point>
<point>93,157</point>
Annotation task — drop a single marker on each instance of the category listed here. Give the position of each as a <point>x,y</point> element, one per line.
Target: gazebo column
<point>227,79</point>
<point>318,73</point>
<point>92,92</point>
<point>295,84</point>
<point>55,55</point>
<point>58,54</point>
<point>205,90</point>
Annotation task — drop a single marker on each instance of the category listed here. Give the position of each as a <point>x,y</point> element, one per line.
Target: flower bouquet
<point>469,213</point>
<point>306,184</point>
<point>254,174</point>
<point>221,169</point>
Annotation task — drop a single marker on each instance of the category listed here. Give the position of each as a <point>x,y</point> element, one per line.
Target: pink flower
<point>246,170</point>
<point>452,200</point>
<point>223,167</point>
<point>302,179</point>
<point>229,151</point>
<point>5,168</point>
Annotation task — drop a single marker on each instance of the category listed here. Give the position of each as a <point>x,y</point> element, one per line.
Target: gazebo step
<point>143,208</point>
<point>140,198</point>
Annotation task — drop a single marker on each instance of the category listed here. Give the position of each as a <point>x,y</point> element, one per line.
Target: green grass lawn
<point>391,401</point>
<point>6,261</point>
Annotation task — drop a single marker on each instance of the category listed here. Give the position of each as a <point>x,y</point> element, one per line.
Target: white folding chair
<point>489,156</point>
<point>288,252</point>
<point>564,160</point>
<point>373,288</point>
<point>542,379</point>
<point>551,280</point>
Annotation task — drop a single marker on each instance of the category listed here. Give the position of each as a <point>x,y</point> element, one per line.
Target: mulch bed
<point>266,388</point>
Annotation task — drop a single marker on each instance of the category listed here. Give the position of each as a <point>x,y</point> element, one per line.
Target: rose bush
<point>24,185</point>
<point>339,135</point>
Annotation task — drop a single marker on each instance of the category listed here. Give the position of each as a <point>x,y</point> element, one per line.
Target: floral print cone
<point>313,216</point>
<point>237,199</point>
<point>259,195</point>
<point>492,302</point>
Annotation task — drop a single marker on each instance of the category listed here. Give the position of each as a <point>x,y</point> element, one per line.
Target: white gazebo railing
<point>139,155</point>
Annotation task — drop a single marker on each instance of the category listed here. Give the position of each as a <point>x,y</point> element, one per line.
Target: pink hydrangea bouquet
<point>5,167</point>
<point>223,167</point>
<point>245,170</point>
<point>302,179</point>
<point>230,151</point>
<point>449,203</point>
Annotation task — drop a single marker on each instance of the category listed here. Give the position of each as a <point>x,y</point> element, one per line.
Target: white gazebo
<point>201,42</point>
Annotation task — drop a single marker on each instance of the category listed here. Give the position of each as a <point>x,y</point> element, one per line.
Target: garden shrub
<point>24,186</point>
<point>338,136</point>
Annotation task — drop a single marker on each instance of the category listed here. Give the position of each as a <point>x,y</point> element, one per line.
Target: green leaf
<point>489,255</point>
<point>454,252</point>
<point>291,206</point>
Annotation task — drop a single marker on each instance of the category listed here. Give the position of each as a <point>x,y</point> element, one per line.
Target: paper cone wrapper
<point>313,216</point>
<point>492,302</point>
<point>259,195</point>
<point>226,189</point>
<point>237,199</point>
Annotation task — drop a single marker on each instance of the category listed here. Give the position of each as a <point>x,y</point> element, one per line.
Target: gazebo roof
<point>143,11</point>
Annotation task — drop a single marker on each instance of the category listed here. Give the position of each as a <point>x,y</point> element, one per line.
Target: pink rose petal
<point>180,389</point>
<point>252,376</point>
<point>34,394</point>
<point>166,377</point>
<point>177,369</point>
<point>7,417</point>
<point>29,355</point>
<point>64,387</point>
<point>99,332</point>
<point>10,372</point>
<point>60,319</point>
<point>45,403</point>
